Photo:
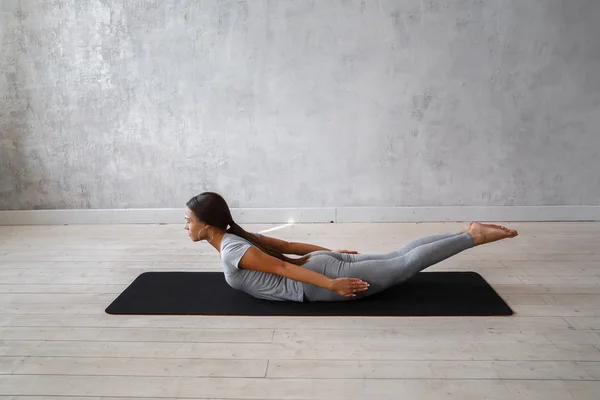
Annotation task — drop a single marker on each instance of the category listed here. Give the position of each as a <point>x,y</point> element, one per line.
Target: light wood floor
<point>57,343</point>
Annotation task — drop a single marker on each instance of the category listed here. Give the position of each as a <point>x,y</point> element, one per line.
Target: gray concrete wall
<point>13,103</point>
<point>143,103</point>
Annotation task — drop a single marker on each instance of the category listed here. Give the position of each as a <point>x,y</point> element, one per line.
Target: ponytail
<point>237,230</point>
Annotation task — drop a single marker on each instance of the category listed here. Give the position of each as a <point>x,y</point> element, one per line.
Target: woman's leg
<point>413,244</point>
<point>381,274</point>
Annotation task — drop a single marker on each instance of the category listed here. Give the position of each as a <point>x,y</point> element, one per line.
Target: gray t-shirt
<point>256,283</point>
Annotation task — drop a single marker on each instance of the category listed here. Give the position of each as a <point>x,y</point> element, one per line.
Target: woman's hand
<point>345,251</point>
<point>347,287</point>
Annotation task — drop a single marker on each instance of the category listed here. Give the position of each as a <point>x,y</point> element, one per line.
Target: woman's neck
<point>216,240</point>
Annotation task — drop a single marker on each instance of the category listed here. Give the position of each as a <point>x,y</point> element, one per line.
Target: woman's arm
<point>302,249</point>
<point>296,248</point>
<point>256,260</point>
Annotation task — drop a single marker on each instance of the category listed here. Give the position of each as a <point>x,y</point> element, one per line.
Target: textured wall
<point>143,103</point>
<point>13,103</point>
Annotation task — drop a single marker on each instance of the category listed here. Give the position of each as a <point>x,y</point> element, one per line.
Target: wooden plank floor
<point>57,343</point>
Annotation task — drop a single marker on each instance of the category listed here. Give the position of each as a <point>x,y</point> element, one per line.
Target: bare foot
<point>512,232</point>
<point>487,233</point>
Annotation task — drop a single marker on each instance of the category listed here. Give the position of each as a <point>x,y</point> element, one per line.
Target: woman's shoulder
<point>233,248</point>
<point>230,238</point>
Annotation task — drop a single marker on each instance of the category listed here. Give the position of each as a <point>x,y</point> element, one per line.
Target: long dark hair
<point>212,209</point>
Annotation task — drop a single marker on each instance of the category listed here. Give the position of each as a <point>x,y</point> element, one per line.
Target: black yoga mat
<point>207,293</point>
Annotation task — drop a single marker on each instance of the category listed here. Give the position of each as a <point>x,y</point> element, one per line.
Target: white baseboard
<point>309,215</point>
<point>161,216</point>
<point>468,213</point>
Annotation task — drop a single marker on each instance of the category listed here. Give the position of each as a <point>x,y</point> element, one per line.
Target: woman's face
<point>197,230</point>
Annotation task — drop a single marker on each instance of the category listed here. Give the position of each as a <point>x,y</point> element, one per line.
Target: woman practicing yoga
<point>257,265</point>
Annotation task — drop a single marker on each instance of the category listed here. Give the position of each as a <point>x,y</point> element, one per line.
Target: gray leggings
<point>382,271</point>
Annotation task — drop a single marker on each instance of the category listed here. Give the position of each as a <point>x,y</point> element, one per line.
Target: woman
<point>257,265</point>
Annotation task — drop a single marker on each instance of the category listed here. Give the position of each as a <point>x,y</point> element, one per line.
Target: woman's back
<point>256,283</point>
